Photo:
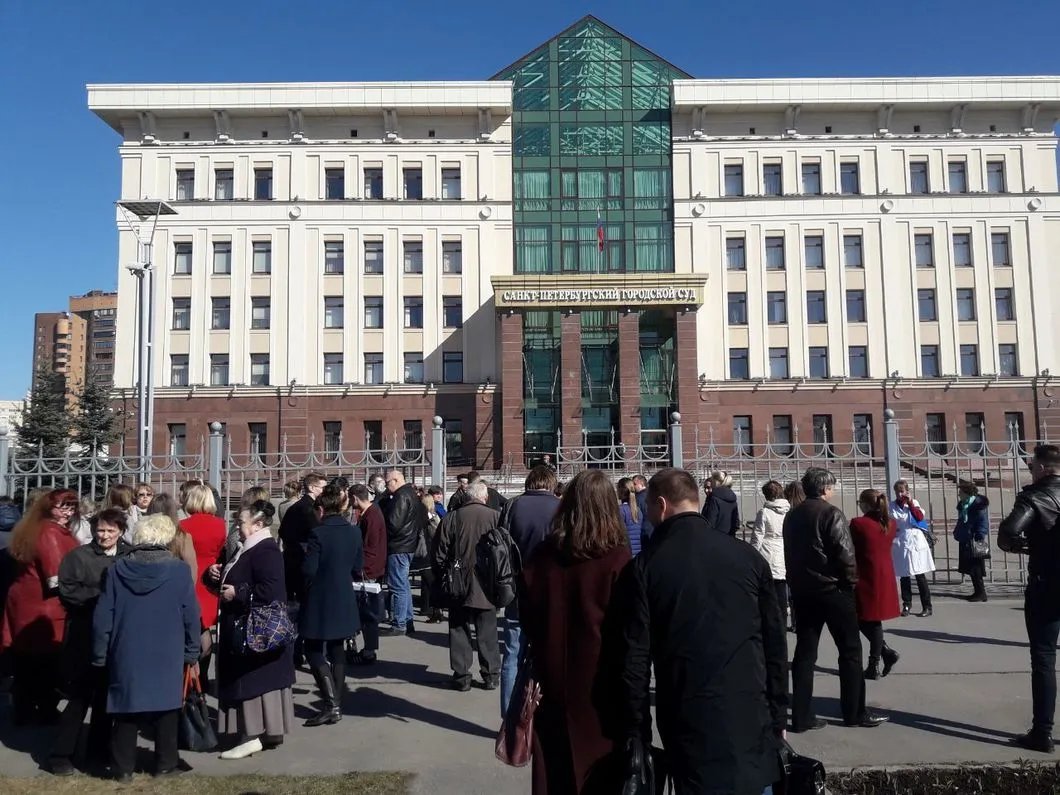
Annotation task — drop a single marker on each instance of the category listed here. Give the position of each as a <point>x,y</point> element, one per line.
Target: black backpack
<point>497,564</point>
<point>454,584</point>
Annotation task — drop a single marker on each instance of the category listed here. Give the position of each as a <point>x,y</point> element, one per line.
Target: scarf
<point>962,508</point>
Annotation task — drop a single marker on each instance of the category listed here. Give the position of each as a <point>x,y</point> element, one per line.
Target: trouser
<point>370,607</point>
<point>461,620</point>
<point>123,739</point>
<point>873,632</point>
<point>838,611</point>
<point>513,647</point>
<point>88,691</point>
<point>427,606</point>
<point>34,692</point>
<point>397,578</point>
<point>921,586</point>
<point>1041,612</point>
<point>978,574</point>
<point>320,652</point>
<point>781,588</point>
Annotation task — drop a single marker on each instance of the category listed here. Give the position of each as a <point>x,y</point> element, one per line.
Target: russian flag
<point>599,232</point>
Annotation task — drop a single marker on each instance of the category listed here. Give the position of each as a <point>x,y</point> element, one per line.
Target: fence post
<point>216,454</point>
<point>5,460</point>
<point>890,448</point>
<point>677,448</point>
<point>438,452</point>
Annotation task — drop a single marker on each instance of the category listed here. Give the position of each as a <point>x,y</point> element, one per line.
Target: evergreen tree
<point>47,419</point>
<point>96,424</point>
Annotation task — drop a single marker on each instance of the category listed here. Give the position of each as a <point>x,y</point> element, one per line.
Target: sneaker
<point>1034,741</point>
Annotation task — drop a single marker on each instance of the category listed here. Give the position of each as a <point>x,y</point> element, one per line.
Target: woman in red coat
<point>208,535</point>
<point>876,592</point>
<point>566,591</point>
<point>34,620</point>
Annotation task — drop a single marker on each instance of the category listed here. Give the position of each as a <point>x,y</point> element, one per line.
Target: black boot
<point>906,609</point>
<point>338,676</point>
<point>873,669</point>
<point>329,712</point>
<point>890,657</point>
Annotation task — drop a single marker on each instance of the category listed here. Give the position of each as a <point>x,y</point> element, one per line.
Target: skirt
<point>271,714</point>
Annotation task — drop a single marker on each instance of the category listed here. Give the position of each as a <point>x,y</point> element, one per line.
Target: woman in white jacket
<point>768,538</point>
<point>911,550</point>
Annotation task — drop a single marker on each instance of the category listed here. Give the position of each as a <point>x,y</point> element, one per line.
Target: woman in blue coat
<point>334,559</point>
<point>973,524</point>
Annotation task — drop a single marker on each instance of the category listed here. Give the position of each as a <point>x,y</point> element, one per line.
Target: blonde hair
<point>719,478</point>
<point>157,529</point>
<point>200,500</point>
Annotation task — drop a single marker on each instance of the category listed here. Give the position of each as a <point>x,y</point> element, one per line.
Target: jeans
<point>461,620</point>
<point>1042,616</point>
<point>513,647</point>
<point>397,578</point>
<point>921,586</point>
<point>838,611</point>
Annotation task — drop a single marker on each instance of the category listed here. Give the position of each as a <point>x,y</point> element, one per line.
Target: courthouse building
<point>589,240</point>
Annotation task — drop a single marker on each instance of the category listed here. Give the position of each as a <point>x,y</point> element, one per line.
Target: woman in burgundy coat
<point>566,591</point>
<point>876,592</point>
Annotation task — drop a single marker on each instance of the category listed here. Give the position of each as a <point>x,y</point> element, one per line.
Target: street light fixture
<point>142,218</point>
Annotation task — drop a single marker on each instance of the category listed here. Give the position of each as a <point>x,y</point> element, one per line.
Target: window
<point>333,311</point>
<point>452,311</point>
<point>929,361</point>
<point>333,368</point>
<point>999,249</point>
<point>178,439</point>
<point>970,360</point>
<point>995,176</point>
<point>221,315</point>
<point>739,367</point>
<point>373,434</point>
<point>452,368</point>
<point>849,178</point>
<point>742,436</point>
<point>413,181</point>
<point>863,433</point>
<point>776,307</point>
<point>1003,303</point>
<point>819,362</point>
<point>811,179</point>
<point>962,250</point>
<point>925,305</point>
<point>454,441</point>
<point>451,183</point>
<point>332,437</point>
<point>185,184</point>
<point>775,253</point>
<point>413,433</point>
<point>855,306</point>
<point>858,361</point>
<point>957,171</point>
<point>734,179</point>
<point>816,308</point>
<point>965,303</point>
<point>1007,361</point>
<point>262,183</point>
<point>219,369</point>
<point>373,183</point>
<point>334,183</point>
<point>452,256</point>
<point>259,439</point>
<point>260,312</point>
<point>181,314</point>
<point>735,254</point>
<point>738,309</point>
<point>783,437</point>
<point>262,257</point>
<point>224,184</point>
<point>414,368</point>
<point>814,252</point>
<point>178,369</point>
<point>1014,429</point>
<point>925,256</point>
<point>918,176</point>
<point>182,259</point>
<point>778,363</point>
<point>772,179</point>
<point>373,311</point>
<point>222,258</point>
<point>935,426</point>
<point>975,431</point>
<point>413,256</point>
<point>413,311</point>
<point>373,368</point>
<point>334,257</point>
<point>373,257</point>
<point>853,256</point>
<point>259,369</point>
<point>823,435</point>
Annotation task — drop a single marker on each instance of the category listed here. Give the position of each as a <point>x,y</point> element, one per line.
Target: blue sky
<point>59,164</point>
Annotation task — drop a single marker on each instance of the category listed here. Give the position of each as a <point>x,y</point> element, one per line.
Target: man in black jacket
<point>406,518</point>
<point>294,533</point>
<point>1031,528</point>
<point>701,607</point>
<point>822,573</point>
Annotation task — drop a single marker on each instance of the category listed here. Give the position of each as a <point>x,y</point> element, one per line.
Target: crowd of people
<point>116,608</point>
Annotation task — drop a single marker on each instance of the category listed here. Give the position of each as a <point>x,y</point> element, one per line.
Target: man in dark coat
<point>406,519</point>
<point>822,572</point>
<point>458,536</point>
<point>701,607</point>
<point>459,496</point>
<point>300,518</point>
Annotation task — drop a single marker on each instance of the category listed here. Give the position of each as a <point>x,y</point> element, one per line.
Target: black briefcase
<point>799,775</point>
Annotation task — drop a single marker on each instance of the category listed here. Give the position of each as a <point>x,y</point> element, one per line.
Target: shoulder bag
<point>264,628</point>
<point>516,738</point>
<point>981,548</point>
<point>799,775</point>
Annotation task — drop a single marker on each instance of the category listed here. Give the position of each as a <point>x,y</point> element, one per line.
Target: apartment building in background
<point>78,343</point>
<point>569,251</point>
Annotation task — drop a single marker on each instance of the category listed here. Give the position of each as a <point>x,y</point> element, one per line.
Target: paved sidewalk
<point>960,691</point>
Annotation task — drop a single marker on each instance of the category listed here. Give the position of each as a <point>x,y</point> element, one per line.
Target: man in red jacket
<point>373,530</point>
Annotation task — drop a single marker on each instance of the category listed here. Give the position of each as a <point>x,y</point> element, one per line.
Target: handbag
<point>980,548</point>
<point>516,737</point>
<point>264,628</point>
<point>195,731</point>
<point>645,769</point>
<point>799,775</point>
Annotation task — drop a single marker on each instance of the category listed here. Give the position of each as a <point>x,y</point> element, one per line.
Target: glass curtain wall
<point>599,329</point>
<point>658,331</point>
<point>541,389</point>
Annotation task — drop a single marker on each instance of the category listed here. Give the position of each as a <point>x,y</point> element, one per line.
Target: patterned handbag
<point>264,628</point>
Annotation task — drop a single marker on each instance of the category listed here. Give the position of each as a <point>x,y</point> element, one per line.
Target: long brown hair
<point>629,497</point>
<point>120,496</point>
<point>874,504</point>
<point>794,494</point>
<point>26,533</point>
<point>588,524</point>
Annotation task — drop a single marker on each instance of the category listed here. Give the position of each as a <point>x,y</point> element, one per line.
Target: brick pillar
<point>510,413</point>
<point>687,378</point>
<point>629,379</point>
<point>570,366</point>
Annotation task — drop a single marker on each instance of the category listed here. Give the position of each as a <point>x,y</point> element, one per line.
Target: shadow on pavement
<point>927,723</point>
<point>372,703</point>
<point>948,637</point>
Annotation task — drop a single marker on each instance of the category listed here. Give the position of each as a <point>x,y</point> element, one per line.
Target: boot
<point>873,669</point>
<point>906,609</point>
<point>890,657</point>
<point>329,712</point>
<point>338,676</point>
